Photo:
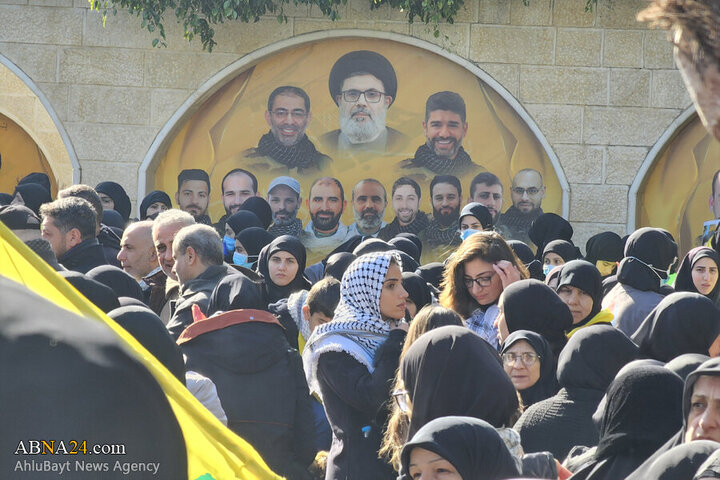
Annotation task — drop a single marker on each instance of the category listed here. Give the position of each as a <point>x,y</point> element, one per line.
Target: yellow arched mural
<point>20,155</point>
<point>676,190</point>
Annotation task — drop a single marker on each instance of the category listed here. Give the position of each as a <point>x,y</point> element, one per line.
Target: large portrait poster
<point>375,86</point>
<point>677,193</point>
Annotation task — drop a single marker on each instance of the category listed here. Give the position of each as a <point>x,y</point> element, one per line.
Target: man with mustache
<point>445,195</point>
<point>369,200</point>
<point>527,193</point>
<point>406,197</point>
<point>363,86</point>
<point>193,194</point>
<point>286,149</point>
<point>284,199</point>
<point>326,203</point>
<point>445,127</point>
<point>486,189</point>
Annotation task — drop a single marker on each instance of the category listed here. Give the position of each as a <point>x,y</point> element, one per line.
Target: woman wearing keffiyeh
<point>351,361</point>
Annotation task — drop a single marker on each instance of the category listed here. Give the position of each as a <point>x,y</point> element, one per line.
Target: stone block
<point>39,62</point>
<point>582,231</point>
<point>506,75</point>
<point>52,3</point>
<point>109,105</point>
<point>523,45</point>
<point>360,10</point>
<point>20,108</point>
<point>101,66</point>
<point>631,126</point>
<point>559,123</point>
<point>124,173</point>
<point>11,84</point>
<point>111,143</point>
<point>629,87</point>
<point>668,90</point>
<point>622,164</point>
<point>581,163</point>
<point>453,38</point>
<point>657,50</point>
<point>572,13</point>
<point>536,12</point>
<point>578,46</point>
<point>317,25</point>
<point>469,12</point>
<point>57,95</point>
<point>52,26</point>
<point>598,203</point>
<point>623,48</point>
<point>494,12</point>
<point>177,70</point>
<point>565,85</point>
<point>237,37</point>
<point>43,121</point>
<point>122,31</point>
<point>13,2</point>
<point>620,13</point>
<point>402,28</point>
<point>164,103</point>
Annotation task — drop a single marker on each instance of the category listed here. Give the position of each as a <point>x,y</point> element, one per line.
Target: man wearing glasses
<point>363,86</point>
<point>527,194</point>
<point>286,148</point>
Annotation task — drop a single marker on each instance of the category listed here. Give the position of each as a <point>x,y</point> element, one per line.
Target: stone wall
<point>601,87</point>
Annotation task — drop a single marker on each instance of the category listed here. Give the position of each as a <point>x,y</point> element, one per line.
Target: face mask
<point>605,267</point>
<point>466,233</point>
<point>228,245</point>
<point>546,269</point>
<point>240,259</point>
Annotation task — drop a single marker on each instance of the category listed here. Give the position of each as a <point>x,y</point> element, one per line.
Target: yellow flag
<point>213,451</point>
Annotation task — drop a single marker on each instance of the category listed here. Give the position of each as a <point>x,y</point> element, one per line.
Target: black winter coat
<point>84,256</point>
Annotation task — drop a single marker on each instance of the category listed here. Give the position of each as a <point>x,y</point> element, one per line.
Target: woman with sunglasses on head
<point>475,276</point>
<point>351,361</point>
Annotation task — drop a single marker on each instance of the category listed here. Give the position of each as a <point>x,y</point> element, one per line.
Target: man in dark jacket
<point>198,265</point>
<point>260,382</point>
<point>68,224</point>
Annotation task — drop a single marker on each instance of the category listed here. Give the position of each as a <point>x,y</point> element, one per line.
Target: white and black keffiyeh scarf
<point>302,155</point>
<point>357,327</point>
<point>458,166</point>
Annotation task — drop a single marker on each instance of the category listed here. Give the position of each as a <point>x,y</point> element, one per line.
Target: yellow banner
<point>213,451</point>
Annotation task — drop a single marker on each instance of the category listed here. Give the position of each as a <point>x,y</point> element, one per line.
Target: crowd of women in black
<point>497,363</point>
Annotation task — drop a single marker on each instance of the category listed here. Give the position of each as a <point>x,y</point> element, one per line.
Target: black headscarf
<point>684,281</point>
<point>37,177</point>
<point>682,461</point>
<point>119,196</point>
<point>548,227</point>
<point>154,197</point>
<point>147,328</point>
<point>5,199</point>
<point>648,254</point>
<point>565,249</point>
<point>532,305</point>
<point>413,238</point>
<point>432,273</point>
<point>292,245</point>
<point>417,288</point>
<point>114,220</point>
<point>102,296</point>
<point>547,385</point>
<point>471,445</point>
<point>407,246</point>
<point>709,469</point>
<point>236,292</point>
<point>408,263</point>
<point>370,245</point>
<point>686,363</point>
<point>605,246</point>
<point>34,195</point>
<point>526,255</point>
<point>122,283</point>
<point>585,276</point>
<point>261,208</point>
<point>253,240</point>
<point>337,263</point>
<point>243,219</point>
<point>593,356</point>
<point>682,322</point>
<point>480,212</point>
<point>452,371</point>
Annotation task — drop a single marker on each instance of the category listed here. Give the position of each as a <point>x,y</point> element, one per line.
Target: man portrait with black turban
<point>363,85</point>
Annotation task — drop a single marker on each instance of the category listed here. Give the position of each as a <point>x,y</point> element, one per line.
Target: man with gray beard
<point>369,200</point>
<point>363,85</point>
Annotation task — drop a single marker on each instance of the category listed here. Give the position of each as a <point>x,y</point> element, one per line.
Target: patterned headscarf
<point>357,327</point>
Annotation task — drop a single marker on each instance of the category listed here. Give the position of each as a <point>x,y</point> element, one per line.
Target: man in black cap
<point>363,85</point>
<point>26,225</point>
<point>445,128</point>
<point>193,194</point>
